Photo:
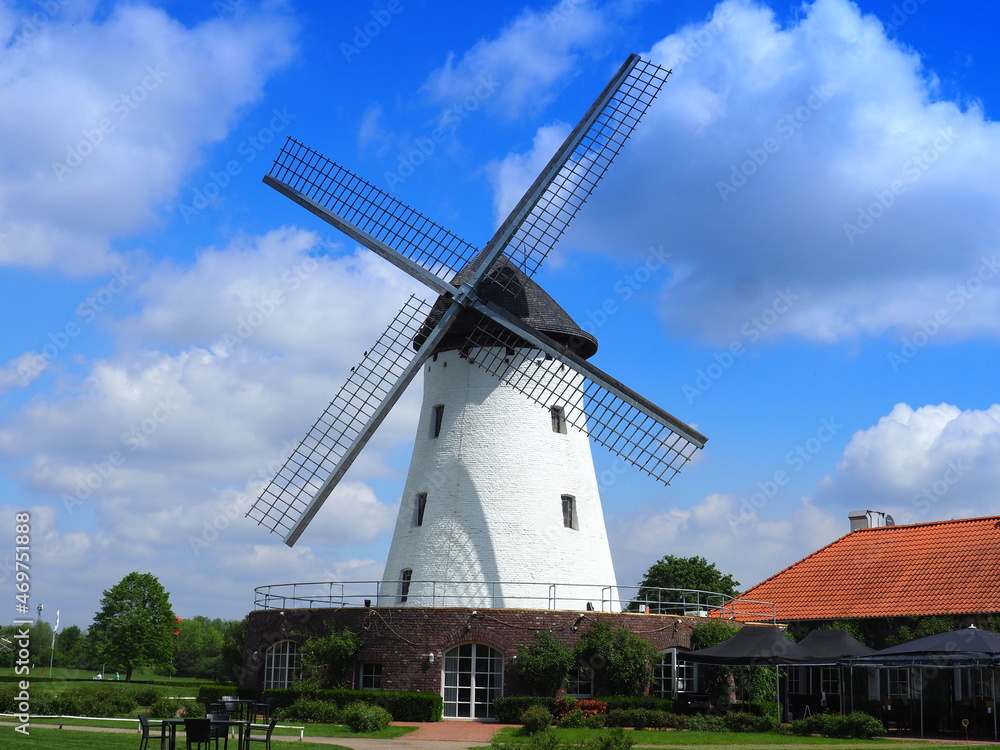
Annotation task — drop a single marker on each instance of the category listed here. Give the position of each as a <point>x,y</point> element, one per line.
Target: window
<point>795,680</point>
<point>569,512</point>
<point>558,419</point>
<point>829,680</point>
<point>671,676</point>
<point>370,676</point>
<point>899,683</point>
<point>436,419</point>
<point>404,584</point>
<point>281,665</point>
<point>420,507</point>
<point>581,682</point>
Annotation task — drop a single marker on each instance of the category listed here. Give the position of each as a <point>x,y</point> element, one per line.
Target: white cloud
<point>717,530</point>
<point>764,166</point>
<point>926,464</point>
<point>109,114</point>
<point>156,453</point>
<point>528,60</point>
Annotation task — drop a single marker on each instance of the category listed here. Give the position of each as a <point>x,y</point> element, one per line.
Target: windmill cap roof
<point>506,286</point>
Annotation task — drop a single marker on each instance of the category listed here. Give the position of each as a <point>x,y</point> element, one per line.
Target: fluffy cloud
<point>160,448</point>
<point>718,529</point>
<point>109,114</point>
<point>530,59</point>
<point>924,464</point>
<point>774,160</point>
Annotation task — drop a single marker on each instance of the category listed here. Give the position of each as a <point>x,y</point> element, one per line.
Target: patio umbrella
<point>751,645</point>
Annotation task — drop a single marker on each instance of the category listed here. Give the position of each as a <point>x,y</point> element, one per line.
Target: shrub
<point>363,717</point>
<point>594,721</point>
<point>536,719</point>
<point>620,659</point>
<point>616,739</point>
<point>169,708</point>
<point>739,721</point>
<point>857,725</point>
<point>640,718</point>
<point>509,708</point>
<point>863,726</point>
<point>543,666</point>
<point>310,709</point>
<point>404,706</point>
<point>99,700</point>
<point>571,720</point>
<point>705,723</point>
<point>146,695</point>
<point>652,702</point>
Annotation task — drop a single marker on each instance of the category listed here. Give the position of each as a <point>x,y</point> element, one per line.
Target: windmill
<point>501,498</point>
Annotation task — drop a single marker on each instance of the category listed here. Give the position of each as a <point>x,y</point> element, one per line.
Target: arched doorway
<point>473,677</point>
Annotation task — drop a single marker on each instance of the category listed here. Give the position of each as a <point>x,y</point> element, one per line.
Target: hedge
<point>403,706</point>
<point>648,702</point>
<point>856,725</point>
<point>509,708</point>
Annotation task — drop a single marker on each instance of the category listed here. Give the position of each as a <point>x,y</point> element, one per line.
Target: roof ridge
<point>926,523</point>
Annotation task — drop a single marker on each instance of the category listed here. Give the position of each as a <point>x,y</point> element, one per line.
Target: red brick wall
<point>400,638</point>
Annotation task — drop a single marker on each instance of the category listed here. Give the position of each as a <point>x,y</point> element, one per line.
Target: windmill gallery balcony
<point>488,595</point>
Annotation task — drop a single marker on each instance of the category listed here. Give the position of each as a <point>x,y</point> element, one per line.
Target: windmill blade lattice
<point>286,499</point>
<point>612,414</point>
<point>299,171</point>
<point>539,220</point>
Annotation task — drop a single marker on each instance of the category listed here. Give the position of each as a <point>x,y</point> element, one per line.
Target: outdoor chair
<point>266,739</point>
<point>220,731</point>
<point>145,727</point>
<point>198,732</point>
<point>262,711</point>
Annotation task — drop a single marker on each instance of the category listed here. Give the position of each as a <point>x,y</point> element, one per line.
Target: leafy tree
<point>135,625</point>
<point>327,660</point>
<point>544,665</point>
<point>619,659</point>
<point>695,573</point>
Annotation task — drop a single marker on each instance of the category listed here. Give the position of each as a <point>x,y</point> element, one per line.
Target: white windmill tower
<point>501,505</point>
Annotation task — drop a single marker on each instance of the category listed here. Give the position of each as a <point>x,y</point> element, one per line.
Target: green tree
<point>327,660</point>
<point>757,683</point>
<point>619,659</point>
<point>687,573</point>
<point>135,625</point>
<point>543,666</point>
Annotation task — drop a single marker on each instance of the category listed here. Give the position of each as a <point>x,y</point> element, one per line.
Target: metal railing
<point>510,595</point>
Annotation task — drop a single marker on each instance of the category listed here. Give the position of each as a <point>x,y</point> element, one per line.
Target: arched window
<point>672,677</point>
<point>473,677</point>
<point>281,665</point>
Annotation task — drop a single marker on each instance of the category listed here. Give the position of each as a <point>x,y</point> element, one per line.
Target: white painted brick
<point>494,481</point>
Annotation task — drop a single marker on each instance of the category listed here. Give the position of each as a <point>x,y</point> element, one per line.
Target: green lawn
<point>43,738</point>
<point>685,739</point>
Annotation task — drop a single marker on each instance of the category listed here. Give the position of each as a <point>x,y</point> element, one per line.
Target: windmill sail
<point>620,419</point>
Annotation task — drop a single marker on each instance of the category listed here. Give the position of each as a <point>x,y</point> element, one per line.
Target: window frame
<point>405,578</point>
<point>437,420</point>
<point>570,519</point>
<point>370,675</point>
<point>420,509</point>
<point>288,652</point>
<point>558,416</point>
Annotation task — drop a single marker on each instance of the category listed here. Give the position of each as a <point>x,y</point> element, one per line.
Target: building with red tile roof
<point>945,568</point>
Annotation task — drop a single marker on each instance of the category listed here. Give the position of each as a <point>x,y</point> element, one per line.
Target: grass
<point>311,730</point>
<point>686,739</point>
<point>43,738</point>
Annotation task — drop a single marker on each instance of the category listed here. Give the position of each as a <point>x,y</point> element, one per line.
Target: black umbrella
<point>751,645</point>
<point>830,646</point>
<point>970,646</point>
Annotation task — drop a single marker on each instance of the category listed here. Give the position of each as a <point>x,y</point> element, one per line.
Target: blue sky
<point>797,253</point>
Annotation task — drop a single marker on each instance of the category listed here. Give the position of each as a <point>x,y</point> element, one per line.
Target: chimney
<point>869,519</point>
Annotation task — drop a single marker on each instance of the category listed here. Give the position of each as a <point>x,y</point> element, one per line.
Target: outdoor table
<point>168,731</point>
<point>243,707</point>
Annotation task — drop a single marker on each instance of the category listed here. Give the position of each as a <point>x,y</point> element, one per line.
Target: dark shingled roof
<point>508,287</point>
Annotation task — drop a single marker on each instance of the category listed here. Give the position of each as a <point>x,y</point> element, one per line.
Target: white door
<point>473,677</point>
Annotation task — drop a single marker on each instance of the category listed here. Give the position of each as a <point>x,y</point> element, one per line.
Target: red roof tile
<point>941,568</point>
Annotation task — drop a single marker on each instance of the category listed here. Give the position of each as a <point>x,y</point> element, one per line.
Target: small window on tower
<point>569,512</point>
<point>436,419</point>
<point>421,506</point>
<point>558,419</point>
<point>404,584</point>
